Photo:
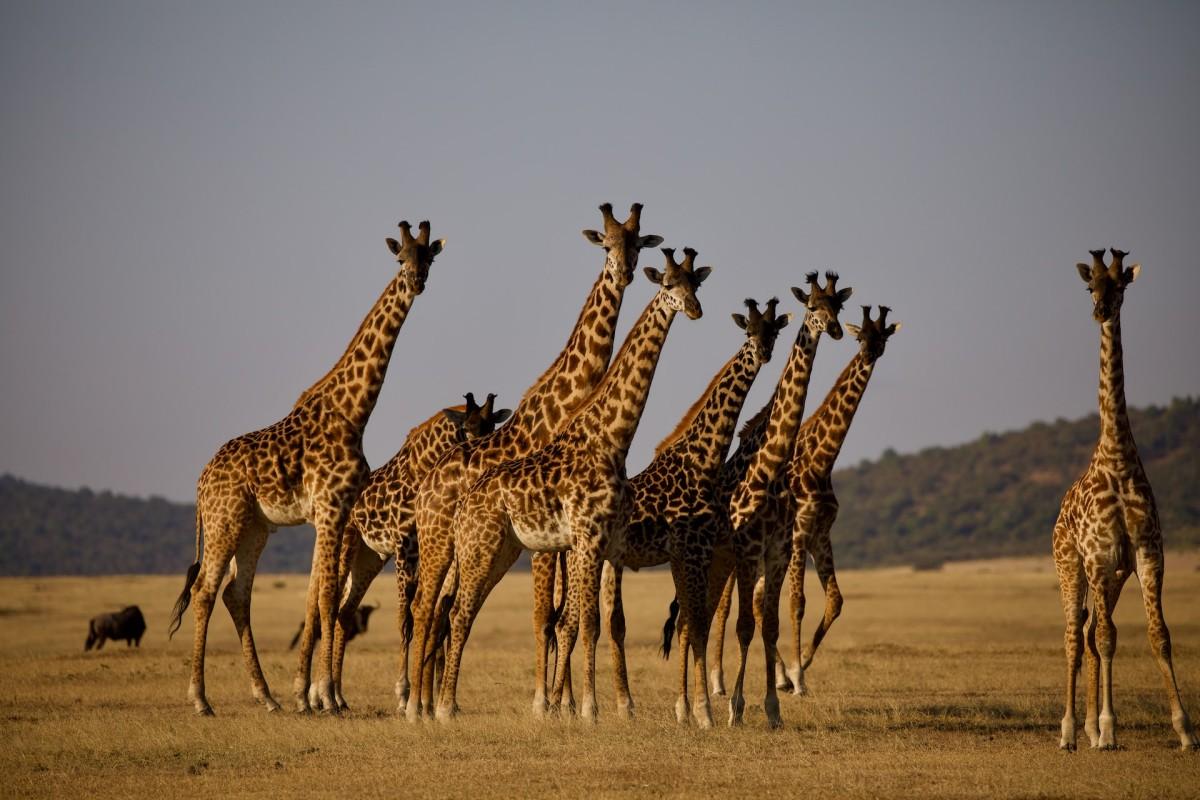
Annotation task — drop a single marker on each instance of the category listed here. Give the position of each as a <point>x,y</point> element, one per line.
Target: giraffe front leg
<point>543,567</point>
<point>746,580</point>
<point>360,566</point>
<point>611,588</point>
<point>330,523</point>
<point>792,678</point>
<point>1150,572</point>
<point>721,581</point>
<point>775,567</point>
<point>1072,588</point>
<point>406,590</point>
<point>1106,645</point>
<point>822,552</point>
<point>587,591</point>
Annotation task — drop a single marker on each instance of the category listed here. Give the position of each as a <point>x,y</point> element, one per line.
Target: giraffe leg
<point>692,588</point>
<point>1150,573</point>
<point>792,679</point>
<point>746,580</point>
<point>436,555</point>
<point>543,567</point>
<point>566,634</point>
<point>237,595</point>
<point>775,567</point>
<point>406,590</point>
<point>682,712</point>
<point>611,592</point>
<point>823,559</point>
<point>219,546</point>
<point>361,565</point>
<point>330,521</point>
<point>1073,588</point>
<point>589,548</point>
<point>1091,724</point>
<point>480,568</point>
<point>720,601</point>
<point>302,688</point>
<point>1106,645</point>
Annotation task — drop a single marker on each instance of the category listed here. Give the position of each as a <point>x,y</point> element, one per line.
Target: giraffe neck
<point>353,385</point>
<point>831,421</point>
<point>1116,437</point>
<point>778,437</point>
<point>570,380</point>
<point>610,417</point>
<point>707,430</point>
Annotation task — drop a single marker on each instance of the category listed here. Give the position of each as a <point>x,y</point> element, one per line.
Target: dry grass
<point>940,683</point>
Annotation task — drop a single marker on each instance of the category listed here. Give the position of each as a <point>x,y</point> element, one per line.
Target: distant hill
<point>996,496</point>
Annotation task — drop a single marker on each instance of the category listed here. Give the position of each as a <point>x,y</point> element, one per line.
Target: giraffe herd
<point>473,486</point>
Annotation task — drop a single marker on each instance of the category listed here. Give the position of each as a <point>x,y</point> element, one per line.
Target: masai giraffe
<point>572,493</point>
<point>544,409</point>
<point>814,503</point>
<point>309,466</point>
<point>676,516</point>
<point>1108,527</point>
<point>383,514</point>
<point>755,479</point>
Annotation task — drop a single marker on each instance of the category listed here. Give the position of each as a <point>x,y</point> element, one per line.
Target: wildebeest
<point>127,624</point>
<point>361,616</point>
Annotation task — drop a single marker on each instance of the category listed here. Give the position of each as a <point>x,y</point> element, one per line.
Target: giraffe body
<point>380,523</point>
<point>572,493</point>
<point>813,504</point>
<point>1107,529</point>
<point>309,466</point>
<point>756,482</point>
<point>676,515</point>
<point>543,410</point>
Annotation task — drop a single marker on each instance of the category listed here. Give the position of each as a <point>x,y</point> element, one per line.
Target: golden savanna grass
<point>943,683</point>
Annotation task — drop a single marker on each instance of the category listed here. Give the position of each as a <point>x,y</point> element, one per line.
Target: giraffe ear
<point>1085,272</point>
<point>800,295</point>
<point>455,415</point>
<point>437,247</point>
<point>854,329</point>
<point>652,240</point>
<point>1131,273</point>
<point>895,326</point>
<point>782,322</point>
<point>844,294</point>
<point>654,275</point>
<point>593,236</point>
<point>701,274</point>
<point>394,246</point>
<point>501,415</point>
<point>739,320</point>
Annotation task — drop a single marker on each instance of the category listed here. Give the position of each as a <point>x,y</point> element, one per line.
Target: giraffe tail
<point>441,617</point>
<point>185,596</point>
<point>556,612</point>
<point>669,628</point>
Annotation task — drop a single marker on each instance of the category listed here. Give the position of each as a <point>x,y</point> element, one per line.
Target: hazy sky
<point>195,198</point>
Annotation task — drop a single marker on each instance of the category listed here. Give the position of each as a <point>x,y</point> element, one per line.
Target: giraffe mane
<point>692,412</point>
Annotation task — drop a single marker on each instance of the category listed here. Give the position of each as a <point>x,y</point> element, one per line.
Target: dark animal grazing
<point>362,615</point>
<point>127,624</point>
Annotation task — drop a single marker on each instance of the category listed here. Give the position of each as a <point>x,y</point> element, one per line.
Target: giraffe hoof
<point>1067,747</point>
<point>204,710</point>
<point>625,711</point>
<point>445,714</point>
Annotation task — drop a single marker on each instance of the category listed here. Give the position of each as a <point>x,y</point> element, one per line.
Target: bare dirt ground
<point>932,684</point>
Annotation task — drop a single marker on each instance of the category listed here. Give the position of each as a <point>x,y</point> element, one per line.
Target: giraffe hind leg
<point>238,592</point>
<point>1150,571</point>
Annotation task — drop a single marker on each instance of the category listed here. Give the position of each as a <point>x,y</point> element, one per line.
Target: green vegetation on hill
<point>996,496</point>
<point>999,495</point>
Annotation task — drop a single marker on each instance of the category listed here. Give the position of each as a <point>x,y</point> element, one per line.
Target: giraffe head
<point>679,283</point>
<point>415,255</point>
<point>622,241</point>
<point>1107,284</point>
<point>823,304</point>
<point>474,421</point>
<point>761,328</point>
<point>873,335</point>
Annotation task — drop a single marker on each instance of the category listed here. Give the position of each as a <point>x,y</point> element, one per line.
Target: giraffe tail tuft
<point>556,612</point>
<point>669,628</point>
<point>185,596</point>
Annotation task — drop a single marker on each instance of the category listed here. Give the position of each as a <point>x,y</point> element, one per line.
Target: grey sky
<point>195,197</point>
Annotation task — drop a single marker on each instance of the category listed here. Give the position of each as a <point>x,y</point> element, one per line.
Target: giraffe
<point>545,407</point>
<point>755,481</point>
<point>814,504</point>
<point>676,516</point>
<point>384,508</point>
<point>309,466</point>
<point>572,493</point>
<point>1108,527</point>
